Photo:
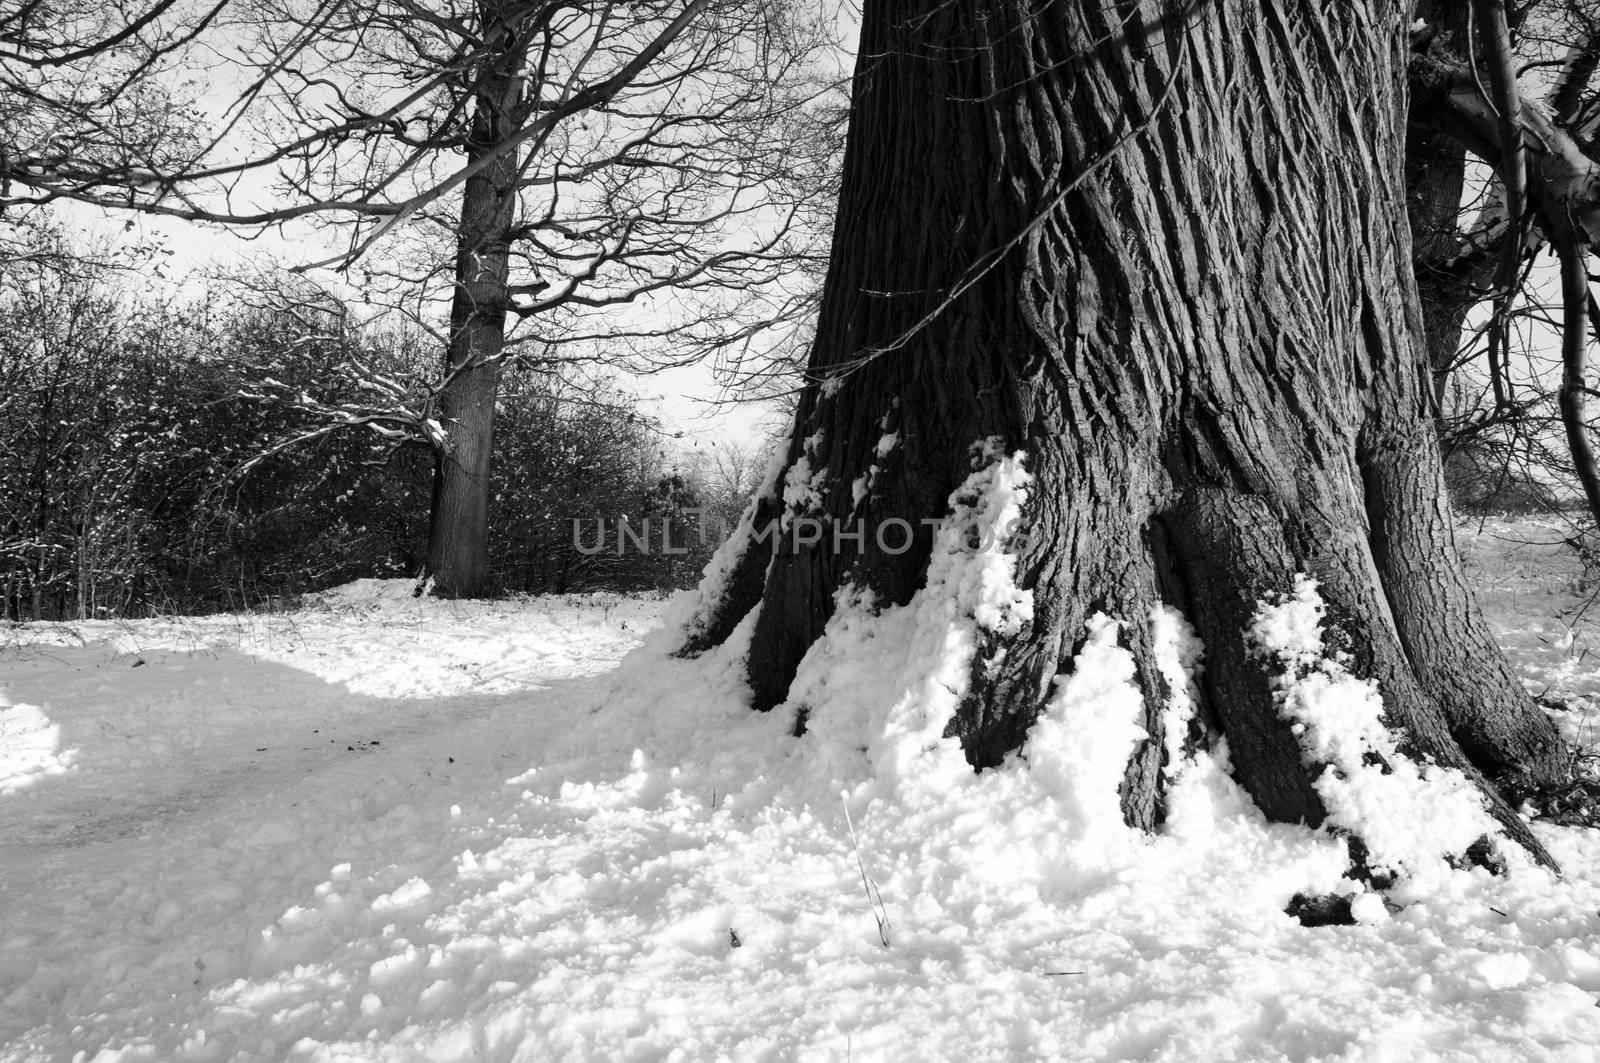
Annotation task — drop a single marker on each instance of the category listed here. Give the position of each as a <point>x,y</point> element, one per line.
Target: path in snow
<point>216,777</point>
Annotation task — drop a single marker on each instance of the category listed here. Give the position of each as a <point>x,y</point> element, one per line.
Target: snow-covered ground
<point>383,828</point>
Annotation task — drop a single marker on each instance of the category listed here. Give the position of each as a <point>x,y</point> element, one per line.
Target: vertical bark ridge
<point>1445,636</point>
<point>741,591</point>
<point>1231,553</point>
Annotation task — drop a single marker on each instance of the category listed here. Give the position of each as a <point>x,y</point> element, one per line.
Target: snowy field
<point>383,828</point>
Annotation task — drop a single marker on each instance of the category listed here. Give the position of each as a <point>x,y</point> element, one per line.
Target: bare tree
<point>588,166</point>
<point>1512,89</point>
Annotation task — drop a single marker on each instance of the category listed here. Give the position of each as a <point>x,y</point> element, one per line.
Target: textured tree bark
<point>458,541</point>
<point>1205,348</point>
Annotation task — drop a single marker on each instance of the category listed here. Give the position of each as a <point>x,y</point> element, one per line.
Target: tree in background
<point>1513,393</point>
<point>582,163</point>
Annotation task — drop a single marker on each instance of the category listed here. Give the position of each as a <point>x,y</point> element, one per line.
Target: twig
<point>874,898</point>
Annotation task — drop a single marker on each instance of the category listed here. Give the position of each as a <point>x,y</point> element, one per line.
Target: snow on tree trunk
<point>1164,267</point>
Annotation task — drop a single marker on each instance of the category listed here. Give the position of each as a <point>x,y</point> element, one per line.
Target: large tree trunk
<point>1167,260</point>
<point>458,543</point>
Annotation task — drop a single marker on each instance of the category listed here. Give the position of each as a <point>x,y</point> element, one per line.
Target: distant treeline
<point>160,456</point>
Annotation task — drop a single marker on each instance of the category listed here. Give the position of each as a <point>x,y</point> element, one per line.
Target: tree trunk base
<point>1167,264</point>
